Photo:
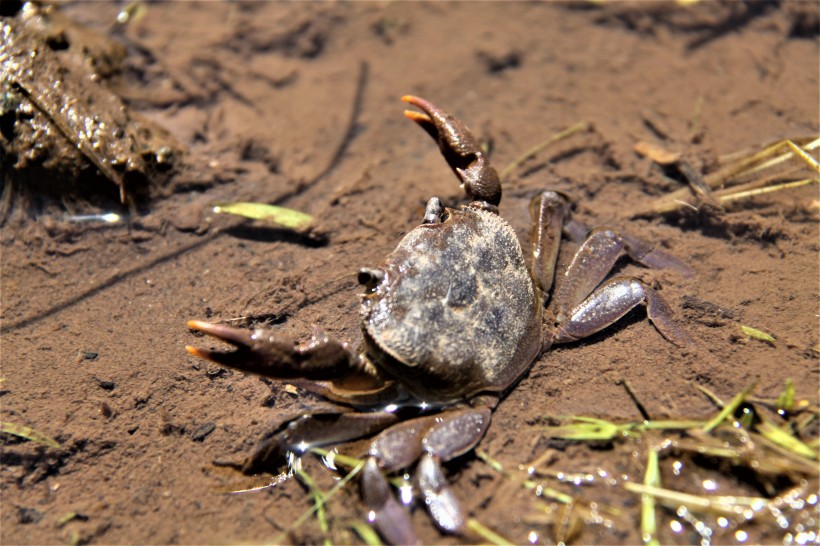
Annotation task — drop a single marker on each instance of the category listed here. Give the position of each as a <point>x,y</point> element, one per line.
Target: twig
<point>535,150</point>
<point>347,138</point>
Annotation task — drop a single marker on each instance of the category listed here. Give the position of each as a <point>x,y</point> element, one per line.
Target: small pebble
<point>28,515</point>
<point>106,410</point>
<point>188,217</point>
<point>202,431</point>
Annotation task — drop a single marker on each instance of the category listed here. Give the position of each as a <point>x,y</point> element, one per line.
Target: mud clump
<point>63,134</point>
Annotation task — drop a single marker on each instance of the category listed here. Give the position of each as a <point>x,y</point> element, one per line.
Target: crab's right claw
<point>263,353</point>
<point>461,150</point>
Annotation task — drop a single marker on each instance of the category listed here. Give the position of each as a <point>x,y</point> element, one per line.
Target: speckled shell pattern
<point>456,313</point>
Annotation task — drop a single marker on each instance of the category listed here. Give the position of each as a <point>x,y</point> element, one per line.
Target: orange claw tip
<point>419,102</point>
<point>197,324</point>
<point>193,351</point>
<point>416,116</point>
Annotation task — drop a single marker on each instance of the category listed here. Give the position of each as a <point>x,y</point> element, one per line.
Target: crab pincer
<point>461,150</point>
<point>263,353</point>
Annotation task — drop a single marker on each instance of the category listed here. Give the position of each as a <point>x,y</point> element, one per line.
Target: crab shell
<point>456,312</point>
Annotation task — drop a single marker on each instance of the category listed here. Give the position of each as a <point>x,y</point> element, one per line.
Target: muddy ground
<point>298,104</point>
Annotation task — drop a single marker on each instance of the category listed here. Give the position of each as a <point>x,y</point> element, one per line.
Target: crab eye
<point>370,278</point>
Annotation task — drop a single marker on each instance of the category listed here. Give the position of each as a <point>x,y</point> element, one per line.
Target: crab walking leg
<point>390,518</point>
<point>611,302</point>
<point>591,263</point>
<point>311,430</point>
<point>461,150</point>
<point>647,254</point>
<point>395,448</point>
<point>548,210</point>
<point>431,440</point>
<point>456,433</point>
<point>595,259</point>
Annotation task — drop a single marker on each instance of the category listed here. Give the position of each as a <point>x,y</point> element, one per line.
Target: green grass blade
<point>670,425</point>
<point>344,460</point>
<point>785,401</point>
<point>729,408</point>
<point>366,533</point>
<point>280,538</point>
<point>754,333</point>
<point>318,502</point>
<point>487,534</point>
<point>652,478</point>
<point>288,218</point>
<point>70,516</point>
<point>785,440</point>
<point>587,429</point>
<point>546,492</point>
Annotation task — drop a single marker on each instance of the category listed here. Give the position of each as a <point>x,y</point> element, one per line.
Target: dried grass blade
<point>757,162</point>
<point>487,534</point>
<point>538,148</point>
<point>810,161</point>
<point>745,165</point>
<point>29,434</point>
<point>734,196</point>
<point>713,504</point>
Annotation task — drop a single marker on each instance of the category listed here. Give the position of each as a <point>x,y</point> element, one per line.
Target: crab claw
<point>241,338</point>
<point>460,148</point>
<point>264,354</point>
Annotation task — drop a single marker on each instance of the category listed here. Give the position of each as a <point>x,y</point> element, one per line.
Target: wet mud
<point>297,104</point>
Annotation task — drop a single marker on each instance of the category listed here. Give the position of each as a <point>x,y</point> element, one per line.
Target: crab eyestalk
<point>461,150</point>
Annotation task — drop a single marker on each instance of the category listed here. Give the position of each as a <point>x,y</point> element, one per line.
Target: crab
<point>451,320</point>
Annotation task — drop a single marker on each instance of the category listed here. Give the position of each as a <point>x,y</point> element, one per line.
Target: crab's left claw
<point>269,355</point>
<point>460,148</point>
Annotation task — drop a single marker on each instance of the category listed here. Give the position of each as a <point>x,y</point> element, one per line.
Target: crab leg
<point>578,311</point>
<point>386,513</point>
<point>596,258</point>
<point>461,150</point>
<point>431,440</point>
<point>548,210</point>
<point>307,431</point>
<point>612,301</point>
